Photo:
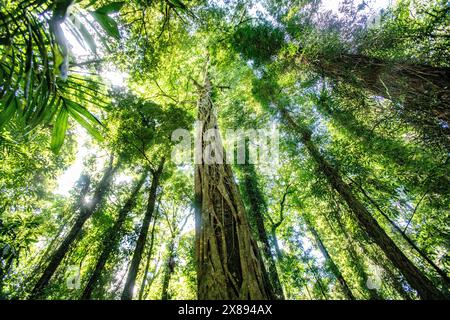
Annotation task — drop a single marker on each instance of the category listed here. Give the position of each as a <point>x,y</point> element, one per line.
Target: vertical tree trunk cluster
<point>413,275</point>
<point>112,237</point>
<point>127,293</point>
<point>86,210</point>
<point>256,214</point>
<point>229,265</point>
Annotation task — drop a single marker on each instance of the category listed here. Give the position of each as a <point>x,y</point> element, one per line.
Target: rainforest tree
<point>239,150</point>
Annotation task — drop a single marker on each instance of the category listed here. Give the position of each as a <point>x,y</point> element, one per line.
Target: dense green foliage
<point>91,93</point>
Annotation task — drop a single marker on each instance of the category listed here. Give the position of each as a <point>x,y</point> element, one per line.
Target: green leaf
<point>84,118</point>
<point>87,37</point>
<point>59,130</point>
<point>82,121</point>
<point>83,111</point>
<point>8,112</point>
<point>111,7</point>
<point>108,24</point>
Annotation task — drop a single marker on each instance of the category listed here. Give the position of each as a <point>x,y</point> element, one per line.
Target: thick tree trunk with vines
<point>86,211</point>
<point>413,275</point>
<point>229,265</point>
<point>112,238</point>
<point>127,293</point>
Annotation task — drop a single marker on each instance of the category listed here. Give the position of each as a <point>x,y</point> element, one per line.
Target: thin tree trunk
<point>169,269</point>
<point>229,265</point>
<point>86,211</point>
<point>394,280</point>
<point>358,265</point>
<point>413,275</point>
<point>149,256</point>
<point>334,268</point>
<point>316,276</point>
<point>258,207</point>
<point>276,246</point>
<point>422,253</point>
<point>112,237</point>
<point>127,293</point>
<point>84,182</point>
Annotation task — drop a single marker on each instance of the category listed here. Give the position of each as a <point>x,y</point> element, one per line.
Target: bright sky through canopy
<point>371,5</point>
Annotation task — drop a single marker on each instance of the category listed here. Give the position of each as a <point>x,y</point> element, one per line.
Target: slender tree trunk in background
<point>358,266</point>
<point>86,211</point>
<point>355,260</point>
<point>413,275</point>
<point>168,269</point>
<point>257,209</point>
<point>422,253</point>
<point>334,268</point>
<point>351,124</point>
<point>149,256</point>
<point>112,237</point>
<point>273,235</point>
<point>319,283</point>
<point>85,183</point>
<point>424,91</point>
<point>229,265</point>
<point>127,293</point>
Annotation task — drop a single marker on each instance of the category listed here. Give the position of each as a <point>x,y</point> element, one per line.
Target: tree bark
<point>112,237</point>
<point>127,293</point>
<point>413,275</point>
<point>421,252</point>
<point>423,91</point>
<point>358,265</point>
<point>229,265</point>
<point>169,269</point>
<point>149,256</point>
<point>86,211</point>
<point>257,208</point>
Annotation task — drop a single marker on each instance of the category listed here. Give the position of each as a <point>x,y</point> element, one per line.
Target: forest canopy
<point>224,149</point>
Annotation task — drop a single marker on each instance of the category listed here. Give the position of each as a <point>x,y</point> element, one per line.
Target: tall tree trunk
<point>169,269</point>
<point>423,90</point>
<point>358,265</point>
<point>413,275</point>
<point>127,293</point>
<point>421,252</point>
<point>273,235</point>
<point>334,268</point>
<point>149,256</point>
<point>257,209</point>
<point>112,237</point>
<point>229,265</point>
<point>392,277</point>
<point>84,182</point>
<point>86,211</point>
